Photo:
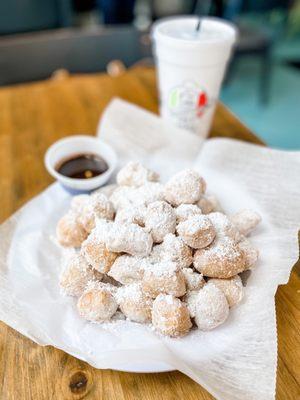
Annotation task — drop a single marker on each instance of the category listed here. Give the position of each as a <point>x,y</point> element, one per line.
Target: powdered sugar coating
<point>69,230</point>
<point>106,190</point>
<point>128,269</point>
<point>186,186</point>
<point>128,197</point>
<point>129,238</point>
<point>250,253</point>
<point>245,221</point>
<point>102,228</point>
<point>149,193</point>
<point>131,215</point>
<point>164,277</point>
<point>209,203</point>
<point>121,247</point>
<point>134,304</point>
<point>223,226</point>
<point>97,303</point>
<point>174,249</point>
<point>211,308</point>
<point>170,316</point>
<point>79,202</point>
<point>156,255</point>
<point>232,288</point>
<point>193,279</point>
<point>122,197</point>
<point>223,259</point>
<point>197,231</point>
<point>97,207</point>
<point>96,252</point>
<point>191,300</point>
<point>160,219</point>
<point>135,174</point>
<point>185,211</point>
<point>97,284</point>
<point>76,274</point>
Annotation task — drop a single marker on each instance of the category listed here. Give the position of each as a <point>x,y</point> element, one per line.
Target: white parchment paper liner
<point>237,360</point>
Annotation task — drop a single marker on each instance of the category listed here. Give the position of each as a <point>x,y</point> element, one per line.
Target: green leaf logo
<point>174,98</point>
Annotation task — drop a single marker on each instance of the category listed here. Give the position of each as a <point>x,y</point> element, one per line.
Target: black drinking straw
<point>198,27</point>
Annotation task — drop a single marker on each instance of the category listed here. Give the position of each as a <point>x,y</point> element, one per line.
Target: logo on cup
<point>189,100</point>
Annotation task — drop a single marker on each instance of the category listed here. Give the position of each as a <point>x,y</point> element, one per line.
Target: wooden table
<point>32,117</point>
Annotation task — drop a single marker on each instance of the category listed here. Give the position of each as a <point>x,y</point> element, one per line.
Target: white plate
<point>151,368</point>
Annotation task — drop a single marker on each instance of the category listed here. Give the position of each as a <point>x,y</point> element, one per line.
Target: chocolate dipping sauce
<point>82,166</point>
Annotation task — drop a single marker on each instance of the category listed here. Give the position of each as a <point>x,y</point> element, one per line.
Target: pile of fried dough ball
<point>161,254</point>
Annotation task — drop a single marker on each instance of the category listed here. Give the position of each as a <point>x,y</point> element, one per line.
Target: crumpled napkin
<point>235,361</point>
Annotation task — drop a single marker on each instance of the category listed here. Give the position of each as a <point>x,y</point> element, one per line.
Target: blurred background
<point>262,85</point>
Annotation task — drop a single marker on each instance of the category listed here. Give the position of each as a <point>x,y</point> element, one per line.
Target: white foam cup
<point>191,66</point>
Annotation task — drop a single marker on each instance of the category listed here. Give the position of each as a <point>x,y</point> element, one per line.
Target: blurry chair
<point>32,15</point>
<point>30,57</point>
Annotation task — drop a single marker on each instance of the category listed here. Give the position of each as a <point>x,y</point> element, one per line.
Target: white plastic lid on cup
<point>177,41</point>
<point>76,145</point>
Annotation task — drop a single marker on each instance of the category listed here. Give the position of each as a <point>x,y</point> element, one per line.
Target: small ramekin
<point>80,144</point>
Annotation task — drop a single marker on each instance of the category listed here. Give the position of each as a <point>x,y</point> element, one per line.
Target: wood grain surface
<point>33,116</point>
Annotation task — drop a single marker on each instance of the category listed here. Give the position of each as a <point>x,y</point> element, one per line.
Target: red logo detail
<point>202,103</point>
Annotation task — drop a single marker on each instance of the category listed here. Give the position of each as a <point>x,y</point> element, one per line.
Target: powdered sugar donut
<point>106,190</point>
<point>161,253</point>
<point>148,193</point>
<point>160,219</point>
<point>79,202</point>
<point>131,215</point>
<point>134,304</point>
<point>129,238</point>
<point>174,249</point>
<point>76,274</point>
<point>164,277</point>
<point>209,203</point>
<point>250,253</point>
<point>135,174</point>
<point>222,259</point>
<point>170,316</point>
<point>185,211</point>
<point>97,207</point>
<point>128,269</point>
<point>224,227</point>
<point>69,230</point>
<point>245,221</point>
<point>211,308</point>
<point>97,303</point>
<point>193,280</point>
<point>190,300</point>
<point>156,255</point>
<point>130,197</point>
<point>185,187</point>
<point>197,232</point>
<point>96,252</point>
<point>122,197</point>
<point>232,288</point>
